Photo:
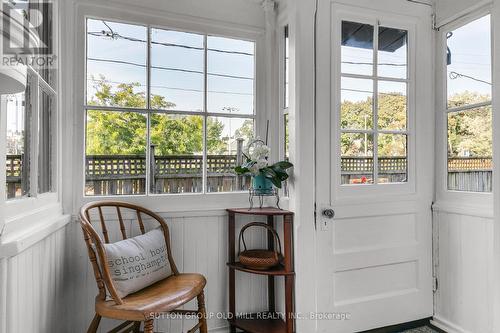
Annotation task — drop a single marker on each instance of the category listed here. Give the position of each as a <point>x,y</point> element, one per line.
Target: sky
<point>230,80</point>
<point>470,47</point>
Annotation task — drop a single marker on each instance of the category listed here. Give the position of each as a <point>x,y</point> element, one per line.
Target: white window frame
<point>283,108</point>
<point>443,194</point>
<point>376,19</point>
<point>19,213</point>
<point>169,21</point>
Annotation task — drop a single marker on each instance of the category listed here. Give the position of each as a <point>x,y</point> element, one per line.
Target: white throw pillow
<point>138,262</point>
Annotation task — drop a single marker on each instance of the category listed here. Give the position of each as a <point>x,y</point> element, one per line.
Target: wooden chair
<point>165,296</point>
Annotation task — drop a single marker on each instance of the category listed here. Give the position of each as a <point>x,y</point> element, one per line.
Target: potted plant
<point>264,176</point>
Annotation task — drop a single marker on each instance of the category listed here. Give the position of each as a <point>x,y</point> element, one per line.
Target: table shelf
<point>275,271</point>
<point>256,324</point>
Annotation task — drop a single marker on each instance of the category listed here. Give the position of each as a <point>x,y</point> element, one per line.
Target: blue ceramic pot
<point>261,184</point>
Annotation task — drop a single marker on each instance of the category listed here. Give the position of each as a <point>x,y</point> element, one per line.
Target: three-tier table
<point>270,321</point>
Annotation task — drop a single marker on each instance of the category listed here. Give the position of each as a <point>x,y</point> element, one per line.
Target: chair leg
<point>202,313</point>
<point>94,325</point>
<point>149,326</point>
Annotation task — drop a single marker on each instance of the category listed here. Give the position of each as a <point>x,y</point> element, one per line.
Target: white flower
<point>254,169</point>
<point>262,163</point>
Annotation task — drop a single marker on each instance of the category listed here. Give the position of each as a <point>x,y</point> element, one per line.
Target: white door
<point>375,152</point>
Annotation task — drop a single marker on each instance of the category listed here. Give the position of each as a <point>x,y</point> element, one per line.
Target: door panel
<point>374,256</point>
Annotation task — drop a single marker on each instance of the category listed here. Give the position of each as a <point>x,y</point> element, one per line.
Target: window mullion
<point>375,102</point>
<point>149,176</point>
<point>34,139</point>
<point>205,114</point>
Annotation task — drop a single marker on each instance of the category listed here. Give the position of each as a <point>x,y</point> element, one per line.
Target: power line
<point>114,35</point>
<point>175,88</point>
<point>169,68</point>
<point>455,75</point>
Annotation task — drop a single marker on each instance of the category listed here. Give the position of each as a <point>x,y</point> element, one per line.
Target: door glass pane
<point>231,75</point>
<point>470,150</point>
<point>177,79</point>
<point>392,158</point>
<point>357,48</point>
<point>45,142</point>
<point>469,63</point>
<point>177,153</point>
<point>115,160</point>
<point>357,103</point>
<point>392,52</point>
<point>226,139</point>
<point>17,144</point>
<point>392,104</point>
<point>356,158</point>
<point>116,64</point>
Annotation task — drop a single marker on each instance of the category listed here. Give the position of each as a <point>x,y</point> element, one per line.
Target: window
<point>469,111</point>
<point>166,111</point>
<point>30,138</point>
<point>374,104</point>
<point>285,99</point>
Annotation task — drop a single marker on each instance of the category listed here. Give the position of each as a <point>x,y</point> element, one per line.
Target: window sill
<point>177,203</point>
<point>24,230</point>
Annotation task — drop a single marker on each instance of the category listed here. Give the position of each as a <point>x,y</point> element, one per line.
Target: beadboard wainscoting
<point>463,264</point>
<point>34,284</point>
<point>199,244</point>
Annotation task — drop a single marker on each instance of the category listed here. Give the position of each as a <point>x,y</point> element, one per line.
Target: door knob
<point>328,213</point>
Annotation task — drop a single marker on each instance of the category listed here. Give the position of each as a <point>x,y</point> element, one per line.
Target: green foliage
<point>469,133</point>
<point>124,133</point>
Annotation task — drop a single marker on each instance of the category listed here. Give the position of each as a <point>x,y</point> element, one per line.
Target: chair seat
<point>163,296</point>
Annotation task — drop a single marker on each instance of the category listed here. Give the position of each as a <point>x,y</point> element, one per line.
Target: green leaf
<point>283,165</point>
<point>241,170</point>
<point>272,176</point>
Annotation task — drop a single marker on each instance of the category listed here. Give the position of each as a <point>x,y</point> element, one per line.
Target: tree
<point>117,133</point>
<point>469,132</point>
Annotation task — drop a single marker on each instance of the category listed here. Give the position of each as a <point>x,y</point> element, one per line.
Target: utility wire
<point>174,88</point>
<point>114,35</point>
<point>455,75</point>
<point>169,68</point>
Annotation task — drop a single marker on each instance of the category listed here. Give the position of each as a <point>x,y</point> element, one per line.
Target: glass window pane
<point>392,104</point>
<point>231,75</point>
<point>470,150</point>
<point>287,67</point>
<point>357,103</point>
<point>177,79</point>
<point>392,52</point>
<point>17,144</point>
<point>392,158</point>
<point>116,64</point>
<point>287,136</point>
<point>469,63</point>
<point>356,158</point>
<point>357,48</point>
<point>226,138</point>
<point>115,153</point>
<point>177,148</point>
<point>45,142</point>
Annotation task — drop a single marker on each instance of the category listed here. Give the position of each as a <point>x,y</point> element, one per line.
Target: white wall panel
<point>463,301</point>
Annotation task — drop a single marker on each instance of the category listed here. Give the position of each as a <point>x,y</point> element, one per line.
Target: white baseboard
<point>447,326</point>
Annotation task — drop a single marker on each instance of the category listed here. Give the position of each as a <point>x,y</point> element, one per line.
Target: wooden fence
<point>126,174</point>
